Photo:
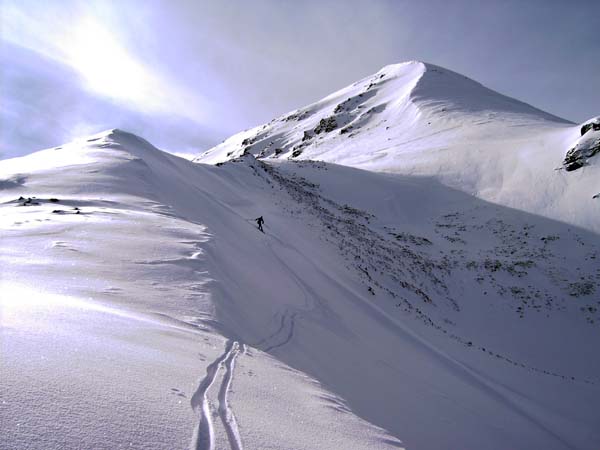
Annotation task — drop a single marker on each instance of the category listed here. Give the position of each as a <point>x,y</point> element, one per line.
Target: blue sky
<point>187,74</point>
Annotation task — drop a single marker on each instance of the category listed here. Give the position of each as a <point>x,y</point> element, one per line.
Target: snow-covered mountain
<point>410,293</point>
<point>420,119</point>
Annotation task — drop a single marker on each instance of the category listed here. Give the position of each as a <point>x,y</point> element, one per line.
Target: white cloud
<point>90,45</point>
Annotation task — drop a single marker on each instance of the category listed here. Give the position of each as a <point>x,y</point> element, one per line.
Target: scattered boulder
<point>247,141</point>
<point>28,202</point>
<point>326,125</point>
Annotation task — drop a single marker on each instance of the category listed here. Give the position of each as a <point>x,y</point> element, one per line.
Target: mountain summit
<point>420,119</point>
<point>409,99</point>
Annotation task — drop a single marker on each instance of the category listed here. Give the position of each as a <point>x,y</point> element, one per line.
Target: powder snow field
<point>390,303</point>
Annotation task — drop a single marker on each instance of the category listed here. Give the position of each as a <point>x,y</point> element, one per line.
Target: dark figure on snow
<point>260,222</point>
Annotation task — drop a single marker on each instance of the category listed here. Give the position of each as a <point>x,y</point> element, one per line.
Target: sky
<point>185,75</point>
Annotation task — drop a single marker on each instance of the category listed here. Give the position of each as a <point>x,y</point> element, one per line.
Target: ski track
<point>203,438</point>
<point>225,412</point>
<point>272,335</point>
<point>288,337</point>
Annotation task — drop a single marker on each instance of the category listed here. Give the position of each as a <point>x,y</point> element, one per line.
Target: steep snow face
<point>141,307</point>
<point>420,119</point>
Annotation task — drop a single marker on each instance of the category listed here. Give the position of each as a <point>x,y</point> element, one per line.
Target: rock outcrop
<point>585,147</point>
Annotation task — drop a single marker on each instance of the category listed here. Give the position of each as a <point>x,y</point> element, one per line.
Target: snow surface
<point>383,308</point>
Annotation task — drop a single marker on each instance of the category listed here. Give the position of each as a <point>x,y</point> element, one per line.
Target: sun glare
<point>107,67</point>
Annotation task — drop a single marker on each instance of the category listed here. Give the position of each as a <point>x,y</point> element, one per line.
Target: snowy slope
<point>377,311</point>
<point>420,119</point>
<point>108,312</point>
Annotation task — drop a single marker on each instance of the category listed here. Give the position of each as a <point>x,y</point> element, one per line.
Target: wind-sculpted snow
<point>374,309</point>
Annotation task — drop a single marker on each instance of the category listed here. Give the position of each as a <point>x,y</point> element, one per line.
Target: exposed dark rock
<point>300,115</point>
<point>593,124</point>
<point>328,124</point>
<point>586,146</point>
<point>572,163</point>
<point>577,156</point>
<point>29,202</point>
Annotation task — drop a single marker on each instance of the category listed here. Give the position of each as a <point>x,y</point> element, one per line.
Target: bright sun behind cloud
<point>107,68</point>
<point>109,57</point>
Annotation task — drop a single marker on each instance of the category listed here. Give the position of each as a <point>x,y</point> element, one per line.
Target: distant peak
<point>399,68</point>
<point>404,64</point>
<point>119,136</point>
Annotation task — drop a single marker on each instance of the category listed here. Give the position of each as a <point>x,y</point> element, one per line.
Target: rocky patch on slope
<point>585,147</point>
<point>416,276</point>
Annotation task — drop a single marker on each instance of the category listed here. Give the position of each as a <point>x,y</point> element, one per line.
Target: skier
<point>260,222</point>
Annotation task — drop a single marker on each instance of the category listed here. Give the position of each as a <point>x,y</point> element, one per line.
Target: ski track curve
<point>272,335</point>
<point>288,337</point>
<point>203,438</point>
